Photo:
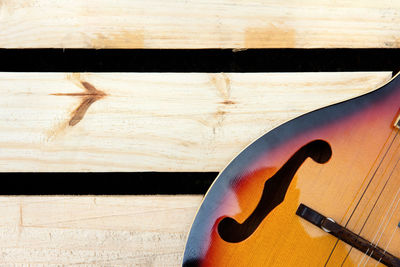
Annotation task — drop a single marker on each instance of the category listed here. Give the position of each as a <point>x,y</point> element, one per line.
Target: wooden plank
<point>93,231</point>
<point>199,24</point>
<point>153,121</point>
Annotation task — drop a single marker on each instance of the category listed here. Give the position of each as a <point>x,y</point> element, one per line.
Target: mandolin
<point>320,190</point>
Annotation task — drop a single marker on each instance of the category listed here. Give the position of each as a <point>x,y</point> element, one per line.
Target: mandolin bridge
<point>347,236</point>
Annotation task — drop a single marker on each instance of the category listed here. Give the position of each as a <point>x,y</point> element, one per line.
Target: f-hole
<point>274,192</point>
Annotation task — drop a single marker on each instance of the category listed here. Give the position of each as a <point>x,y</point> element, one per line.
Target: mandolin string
<point>358,202</point>
<point>376,201</point>
<point>365,179</point>
<point>337,241</point>
<point>373,176</point>
<point>386,215</point>
<point>369,171</point>
<point>372,243</point>
<point>380,180</point>
<point>393,232</point>
<point>367,175</point>
<point>388,220</point>
<point>384,229</point>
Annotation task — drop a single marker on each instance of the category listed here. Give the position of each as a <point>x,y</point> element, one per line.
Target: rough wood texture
<point>153,121</point>
<point>199,24</point>
<point>95,231</point>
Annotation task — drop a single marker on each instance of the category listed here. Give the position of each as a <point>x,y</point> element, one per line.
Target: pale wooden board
<point>154,121</point>
<point>199,24</point>
<point>95,231</point>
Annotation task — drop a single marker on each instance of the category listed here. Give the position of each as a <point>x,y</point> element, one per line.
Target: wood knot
<point>228,102</point>
<point>90,96</point>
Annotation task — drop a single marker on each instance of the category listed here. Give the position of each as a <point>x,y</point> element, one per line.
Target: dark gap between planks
<point>198,60</point>
<point>113,183</point>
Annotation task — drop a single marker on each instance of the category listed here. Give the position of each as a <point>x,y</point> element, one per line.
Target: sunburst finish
<point>359,187</point>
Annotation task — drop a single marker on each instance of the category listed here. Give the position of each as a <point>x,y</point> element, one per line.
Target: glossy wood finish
<point>358,187</point>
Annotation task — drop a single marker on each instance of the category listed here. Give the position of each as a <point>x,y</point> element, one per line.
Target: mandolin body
<point>352,178</point>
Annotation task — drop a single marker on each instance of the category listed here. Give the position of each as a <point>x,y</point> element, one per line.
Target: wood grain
<point>154,121</point>
<point>199,24</point>
<point>95,231</point>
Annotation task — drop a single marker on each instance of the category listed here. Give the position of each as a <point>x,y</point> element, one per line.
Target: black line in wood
<point>347,236</point>
<point>274,192</point>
